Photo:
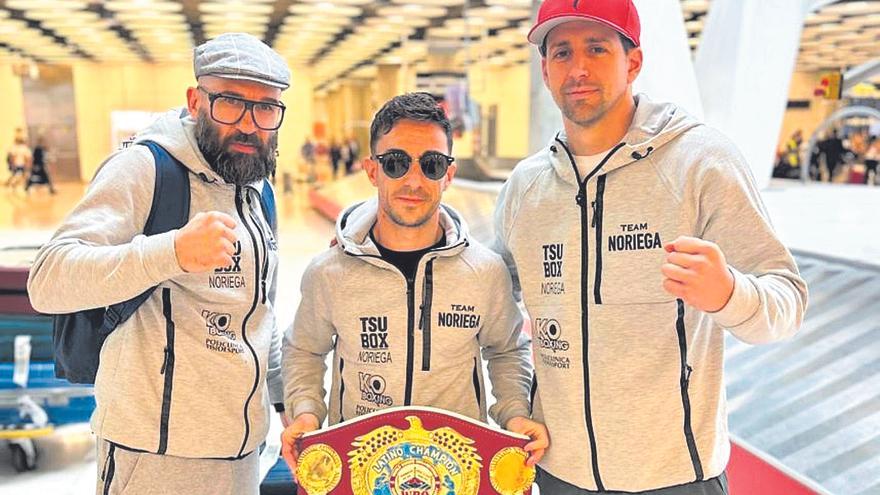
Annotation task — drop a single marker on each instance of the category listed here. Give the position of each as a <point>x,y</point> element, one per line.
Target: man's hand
<point>697,273</point>
<point>302,424</point>
<point>534,430</point>
<point>206,242</point>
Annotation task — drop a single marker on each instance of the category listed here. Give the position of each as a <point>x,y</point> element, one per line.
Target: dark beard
<point>235,168</point>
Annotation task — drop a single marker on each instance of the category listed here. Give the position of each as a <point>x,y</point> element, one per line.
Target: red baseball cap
<point>619,15</point>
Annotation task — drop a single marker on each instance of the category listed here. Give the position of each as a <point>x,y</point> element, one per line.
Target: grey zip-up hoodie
<point>399,342</point>
<point>186,374</point>
<point>630,380</point>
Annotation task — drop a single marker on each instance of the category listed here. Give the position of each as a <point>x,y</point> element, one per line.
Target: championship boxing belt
<point>413,451</point>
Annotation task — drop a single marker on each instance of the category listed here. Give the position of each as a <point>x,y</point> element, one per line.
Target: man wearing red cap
<point>637,238</point>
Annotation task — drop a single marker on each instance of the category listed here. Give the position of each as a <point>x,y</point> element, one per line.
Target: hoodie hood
<point>175,131</point>
<point>354,224</point>
<point>653,126</point>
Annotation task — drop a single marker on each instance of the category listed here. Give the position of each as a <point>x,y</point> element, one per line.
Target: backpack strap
<point>171,196</point>
<point>267,202</point>
<point>169,211</point>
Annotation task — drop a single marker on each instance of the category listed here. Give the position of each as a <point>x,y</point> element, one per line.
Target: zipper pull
<point>421,316</point>
<point>164,362</point>
<point>687,374</point>
<point>593,223</point>
<point>263,282</point>
<point>580,199</point>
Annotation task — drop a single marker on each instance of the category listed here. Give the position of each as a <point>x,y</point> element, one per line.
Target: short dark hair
<point>420,106</point>
<point>627,43</point>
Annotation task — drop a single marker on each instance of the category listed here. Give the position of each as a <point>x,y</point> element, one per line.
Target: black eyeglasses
<point>396,163</point>
<point>229,110</point>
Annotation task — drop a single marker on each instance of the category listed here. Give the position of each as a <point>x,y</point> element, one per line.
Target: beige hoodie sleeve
<point>306,345</point>
<point>769,297</point>
<point>99,256</point>
<point>507,351</point>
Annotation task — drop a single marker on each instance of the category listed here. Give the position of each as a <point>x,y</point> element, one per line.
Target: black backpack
<point>77,337</point>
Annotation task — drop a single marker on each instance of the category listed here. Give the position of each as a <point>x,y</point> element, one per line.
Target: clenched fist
<point>696,272</point>
<point>206,242</point>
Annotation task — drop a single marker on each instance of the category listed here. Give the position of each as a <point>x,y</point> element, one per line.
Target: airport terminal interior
<point>795,84</point>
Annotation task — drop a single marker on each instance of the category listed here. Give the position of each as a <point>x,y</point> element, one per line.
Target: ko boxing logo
<point>218,324</point>
<point>549,335</point>
<point>373,389</point>
<point>220,338</point>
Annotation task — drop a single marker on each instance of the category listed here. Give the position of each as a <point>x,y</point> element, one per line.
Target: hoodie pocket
<point>341,389</point>
<point>477,387</point>
<point>629,231</point>
<point>425,318</point>
<point>631,277</point>
<point>686,371</point>
<point>639,389</point>
<point>598,219</point>
<point>627,265</point>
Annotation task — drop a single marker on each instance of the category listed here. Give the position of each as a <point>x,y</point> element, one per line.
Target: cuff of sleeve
<point>279,407</point>
<point>307,406</point>
<point>743,303</point>
<point>502,416</point>
<point>276,390</point>
<point>160,260</point>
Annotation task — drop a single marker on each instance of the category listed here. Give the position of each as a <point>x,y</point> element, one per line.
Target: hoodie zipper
<point>239,193</point>
<point>476,379</point>
<point>684,383</point>
<point>341,388</point>
<point>581,200</point>
<point>410,314</point>
<point>263,242</point>
<point>598,205</point>
<point>533,390</point>
<point>167,370</point>
<point>109,468</point>
<point>410,340</point>
<point>425,319</point>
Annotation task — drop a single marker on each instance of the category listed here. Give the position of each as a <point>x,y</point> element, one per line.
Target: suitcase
<point>14,265</point>
<point>856,175</point>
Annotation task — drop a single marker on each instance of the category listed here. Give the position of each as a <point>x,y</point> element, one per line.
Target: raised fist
<point>206,242</point>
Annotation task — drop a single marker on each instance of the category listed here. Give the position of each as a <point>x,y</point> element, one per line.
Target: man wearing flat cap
<point>184,386</point>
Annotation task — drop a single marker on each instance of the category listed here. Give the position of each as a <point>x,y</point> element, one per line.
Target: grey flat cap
<point>241,56</point>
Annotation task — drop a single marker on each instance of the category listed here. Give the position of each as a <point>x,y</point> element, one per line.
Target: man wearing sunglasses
<point>183,386</point>
<point>638,232</point>
<point>405,300</point>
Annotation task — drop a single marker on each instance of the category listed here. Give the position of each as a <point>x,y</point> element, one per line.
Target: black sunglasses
<point>396,163</point>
